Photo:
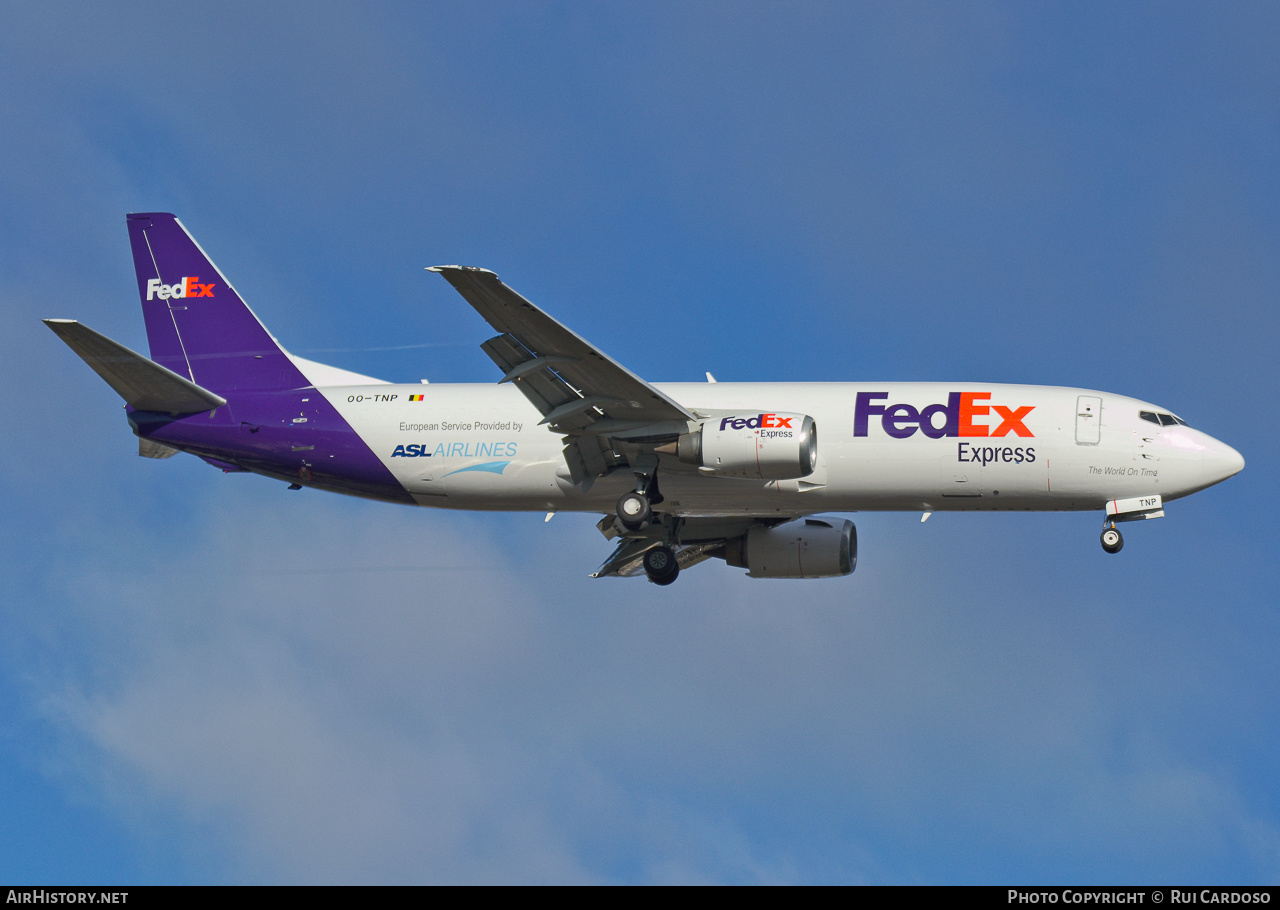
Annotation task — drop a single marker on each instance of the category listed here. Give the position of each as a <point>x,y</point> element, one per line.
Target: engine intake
<point>775,446</point>
<point>814,548</point>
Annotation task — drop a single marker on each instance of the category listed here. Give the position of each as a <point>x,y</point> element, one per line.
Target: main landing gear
<point>635,507</point>
<point>1112,542</point>
<point>661,566</point>
<point>635,513</point>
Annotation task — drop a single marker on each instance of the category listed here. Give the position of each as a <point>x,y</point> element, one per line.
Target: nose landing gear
<point>1112,542</point>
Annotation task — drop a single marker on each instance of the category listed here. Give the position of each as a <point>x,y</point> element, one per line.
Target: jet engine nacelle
<point>812,548</point>
<point>759,446</point>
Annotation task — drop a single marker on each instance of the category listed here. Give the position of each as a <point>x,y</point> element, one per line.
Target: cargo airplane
<point>680,472</point>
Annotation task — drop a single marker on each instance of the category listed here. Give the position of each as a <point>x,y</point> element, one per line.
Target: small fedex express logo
<point>187,287</point>
<point>752,423</point>
<point>955,418</point>
<point>765,426</point>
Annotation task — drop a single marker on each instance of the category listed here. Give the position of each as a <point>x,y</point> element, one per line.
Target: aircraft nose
<point>1221,461</point>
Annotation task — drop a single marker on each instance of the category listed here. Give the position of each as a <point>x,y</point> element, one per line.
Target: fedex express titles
<point>953,419</point>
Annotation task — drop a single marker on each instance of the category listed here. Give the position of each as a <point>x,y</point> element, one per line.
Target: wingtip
<point>460,268</point>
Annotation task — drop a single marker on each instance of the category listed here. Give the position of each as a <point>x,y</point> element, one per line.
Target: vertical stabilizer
<point>197,325</point>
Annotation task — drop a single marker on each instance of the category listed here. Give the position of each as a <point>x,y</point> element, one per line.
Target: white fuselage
<point>482,447</point>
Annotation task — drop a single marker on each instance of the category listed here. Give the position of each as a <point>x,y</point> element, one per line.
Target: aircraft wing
<point>627,559</point>
<point>701,538</point>
<point>579,389</point>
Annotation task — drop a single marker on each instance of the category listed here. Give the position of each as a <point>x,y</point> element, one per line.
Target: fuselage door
<point>1088,420</point>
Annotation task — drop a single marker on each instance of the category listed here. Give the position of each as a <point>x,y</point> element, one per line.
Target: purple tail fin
<point>197,325</point>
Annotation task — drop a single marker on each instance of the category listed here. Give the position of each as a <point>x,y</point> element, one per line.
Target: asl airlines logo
<point>187,287</point>
<point>955,418</point>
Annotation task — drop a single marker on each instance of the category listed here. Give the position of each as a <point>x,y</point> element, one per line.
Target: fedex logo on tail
<point>187,287</point>
<point>964,414</point>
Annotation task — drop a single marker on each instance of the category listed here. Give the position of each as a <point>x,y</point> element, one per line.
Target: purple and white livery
<point>681,472</point>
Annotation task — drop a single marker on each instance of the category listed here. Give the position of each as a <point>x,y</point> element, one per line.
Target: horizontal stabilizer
<point>142,383</point>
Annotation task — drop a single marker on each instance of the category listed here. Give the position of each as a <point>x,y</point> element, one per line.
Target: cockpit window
<point>1162,419</point>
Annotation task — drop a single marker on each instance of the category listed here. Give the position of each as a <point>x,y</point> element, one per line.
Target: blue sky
<point>207,679</point>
